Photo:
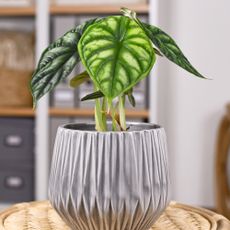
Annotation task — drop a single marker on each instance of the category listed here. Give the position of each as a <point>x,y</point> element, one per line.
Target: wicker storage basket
<point>14,90</point>
<point>17,50</point>
<point>16,67</point>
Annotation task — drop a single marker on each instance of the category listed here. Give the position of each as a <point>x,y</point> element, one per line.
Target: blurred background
<point>190,109</point>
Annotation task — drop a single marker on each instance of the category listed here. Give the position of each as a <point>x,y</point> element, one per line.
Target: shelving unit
<point>16,112</point>
<point>57,112</point>
<point>17,11</point>
<point>63,112</point>
<point>68,10</point>
<point>42,12</point>
<point>95,9</point>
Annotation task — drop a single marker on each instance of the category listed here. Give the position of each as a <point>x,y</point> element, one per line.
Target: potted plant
<point>108,175</point>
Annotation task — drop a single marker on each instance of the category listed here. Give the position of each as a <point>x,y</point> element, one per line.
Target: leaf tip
<point>127,12</point>
<point>203,77</point>
<point>206,78</point>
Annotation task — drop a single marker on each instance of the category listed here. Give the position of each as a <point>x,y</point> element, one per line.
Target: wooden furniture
<point>222,154</point>
<point>68,10</point>
<point>57,112</point>
<point>41,216</point>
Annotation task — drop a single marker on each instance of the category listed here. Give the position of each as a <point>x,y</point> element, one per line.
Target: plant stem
<point>100,117</point>
<point>98,121</point>
<point>103,114</point>
<point>113,115</point>
<point>122,112</point>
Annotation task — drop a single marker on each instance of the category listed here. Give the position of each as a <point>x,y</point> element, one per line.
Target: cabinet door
<point>223,166</point>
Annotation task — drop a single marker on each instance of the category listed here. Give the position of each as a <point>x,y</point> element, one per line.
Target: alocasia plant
<point>117,52</point>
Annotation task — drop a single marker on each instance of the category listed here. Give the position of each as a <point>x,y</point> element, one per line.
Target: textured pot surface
<point>109,180</point>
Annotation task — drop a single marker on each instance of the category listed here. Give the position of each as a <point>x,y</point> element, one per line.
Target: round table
<point>41,216</point>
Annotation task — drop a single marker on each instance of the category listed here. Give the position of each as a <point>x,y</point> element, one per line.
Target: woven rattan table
<point>41,216</point>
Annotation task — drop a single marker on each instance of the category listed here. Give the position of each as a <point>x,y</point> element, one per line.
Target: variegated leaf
<point>170,49</point>
<point>117,54</point>
<point>164,43</point>
<point>57,62</point>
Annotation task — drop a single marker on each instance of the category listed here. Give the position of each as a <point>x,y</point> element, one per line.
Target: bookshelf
<point>41,13</point>
<point>68,10</point>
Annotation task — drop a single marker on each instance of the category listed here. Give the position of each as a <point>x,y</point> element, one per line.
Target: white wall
<point>190,108</point>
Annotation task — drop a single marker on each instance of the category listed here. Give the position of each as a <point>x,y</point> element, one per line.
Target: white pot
<point>109,180</point>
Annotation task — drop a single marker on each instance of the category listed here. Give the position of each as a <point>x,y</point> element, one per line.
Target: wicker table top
<point>41,216</point>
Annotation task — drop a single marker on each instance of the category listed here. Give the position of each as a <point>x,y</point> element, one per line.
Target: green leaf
<point>117,54</point>
<point>131,98</point>
<point>92,96</point>
<point>57,62</point>
<point>79,79</point>
<point>170,49</point>
<point>164,43</point>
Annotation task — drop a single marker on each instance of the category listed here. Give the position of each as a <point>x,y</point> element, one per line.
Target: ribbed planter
<point>109,180</point>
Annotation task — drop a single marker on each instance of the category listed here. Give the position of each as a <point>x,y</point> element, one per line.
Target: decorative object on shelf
<point>41,216</point>
<point>223,166</point>
<point>15,45</point>
<point>14,91</point>
<point>108,175</point>
<point>15,71</point>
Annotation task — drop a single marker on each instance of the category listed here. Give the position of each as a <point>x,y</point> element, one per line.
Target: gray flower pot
<point>109,180</point>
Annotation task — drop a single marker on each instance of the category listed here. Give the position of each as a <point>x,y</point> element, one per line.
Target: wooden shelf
<point>17,11</point>
<point>95,9</point>
<point>73,9</point>
<point>65,112</point>
<point>60,112</point>
<point>16,112</point>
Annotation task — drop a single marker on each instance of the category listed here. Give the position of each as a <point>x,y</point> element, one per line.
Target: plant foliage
<point>57,62</point>
<point>117,52</point>
<point>164,43</point>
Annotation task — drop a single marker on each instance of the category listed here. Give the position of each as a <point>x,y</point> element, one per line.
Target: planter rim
<point>89,127</point>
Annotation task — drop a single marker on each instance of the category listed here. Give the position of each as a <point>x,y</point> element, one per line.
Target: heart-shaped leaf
<point>57,62</point>
<point>164,43</point>
<point>116,53</point>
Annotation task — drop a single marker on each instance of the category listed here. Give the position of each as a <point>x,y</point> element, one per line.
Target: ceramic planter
<point>109,180</point>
